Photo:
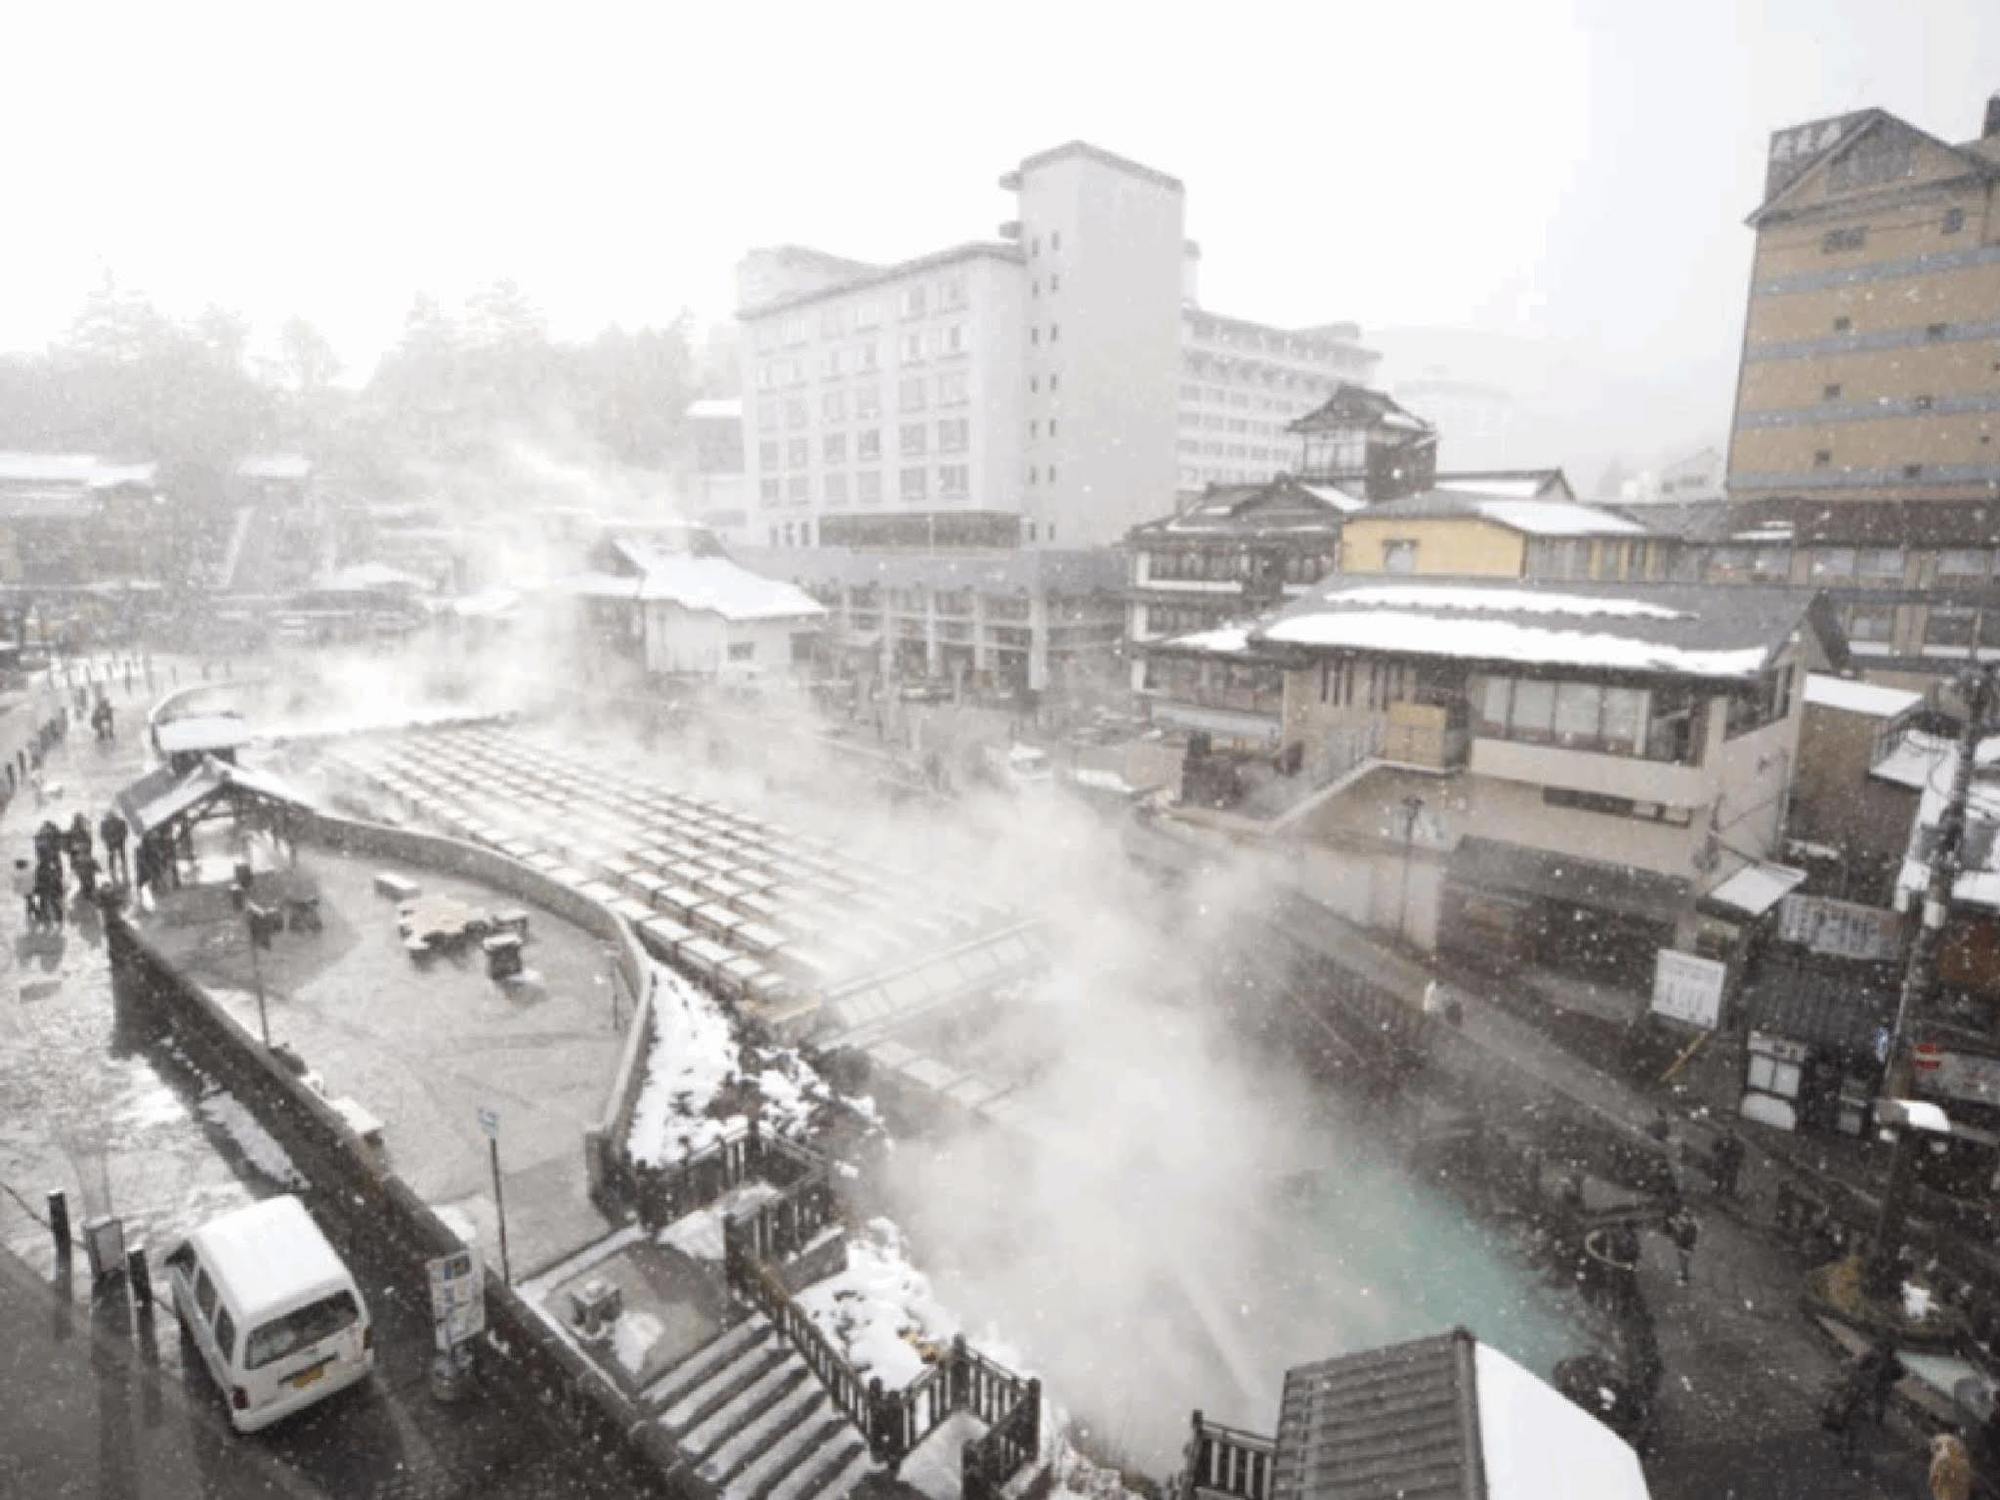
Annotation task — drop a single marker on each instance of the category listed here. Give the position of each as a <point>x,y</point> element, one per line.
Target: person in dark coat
<point>1841,1414</point>
<point>48,842</point>
<point>1728,1163</point>
<point>112,830</point>
<point>1684,1232</point>
<point>79,840</point>
<point>1878,1371</point>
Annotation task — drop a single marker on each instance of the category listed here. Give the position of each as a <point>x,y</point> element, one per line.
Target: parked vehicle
<point>1018,767</point>
<point>275,1313</point>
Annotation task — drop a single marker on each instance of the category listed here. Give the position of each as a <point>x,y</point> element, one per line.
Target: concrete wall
<point>1836,803</point>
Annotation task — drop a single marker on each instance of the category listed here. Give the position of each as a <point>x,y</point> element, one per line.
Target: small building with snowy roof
<point>1440,1418</point>
<point>1504,525</point>
<point>667,596</point>
<point>1553,774</point>
<point>1849,825</point>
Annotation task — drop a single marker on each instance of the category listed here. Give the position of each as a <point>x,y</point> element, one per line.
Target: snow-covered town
<point>713,869</point>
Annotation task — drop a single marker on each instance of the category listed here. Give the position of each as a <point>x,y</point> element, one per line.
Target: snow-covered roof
<point>1666,630</point>
<point>1929,762</point>
<point>85,469</point>
<point>270,1258</point>
<point>714,585</point>
<point>713,407</point>
<point>1522,488</point>
<point>1510,503</point>
<point>1556,518</point>
<point>370,575</point>
<point>201,732</point>
<point>274,466</point>
<point>1443,1416</point>
<point>1537,1444</point>
<point>159,797</point>
<point>1756,888</point>
<point>1338,498</point>
<point>1826,691</point>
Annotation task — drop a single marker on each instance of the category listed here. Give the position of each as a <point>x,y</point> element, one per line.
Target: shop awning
<point>1516,870</point>
<point>1755,889</point>
<point>1228,722</point>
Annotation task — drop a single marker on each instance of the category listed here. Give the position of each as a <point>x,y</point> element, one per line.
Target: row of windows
<point>1649,723</point>
<point>864,402</point>
<point>949,482</point>
<point>1855,237</point>
<point>1233,450</point>
<point>917,345</point>
<point>945,295</point>
<point>953,435</point>
<point>1214,422</point>
<point>1241,400</point>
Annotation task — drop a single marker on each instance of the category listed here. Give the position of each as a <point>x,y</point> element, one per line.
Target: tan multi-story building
<point>1863,458</point>
<point>1871,344</point>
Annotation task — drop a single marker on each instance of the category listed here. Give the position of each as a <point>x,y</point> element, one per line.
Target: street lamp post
<point>1413,807</point>
<point>257,971</point>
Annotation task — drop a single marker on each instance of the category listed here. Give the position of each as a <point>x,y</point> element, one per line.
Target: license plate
<point>306,1377</point>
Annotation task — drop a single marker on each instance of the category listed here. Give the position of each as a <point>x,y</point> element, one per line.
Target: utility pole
<point>1919,978</point>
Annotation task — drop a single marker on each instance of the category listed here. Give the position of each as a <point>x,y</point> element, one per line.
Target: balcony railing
<point>1221,1460</point>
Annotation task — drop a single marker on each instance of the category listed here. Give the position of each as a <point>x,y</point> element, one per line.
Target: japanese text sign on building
<point>1840,929</point>
<point>1688,988</point>
<point>458,1298</point>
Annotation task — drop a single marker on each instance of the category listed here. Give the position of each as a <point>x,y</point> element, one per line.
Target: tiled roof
<point>1401,1421</point>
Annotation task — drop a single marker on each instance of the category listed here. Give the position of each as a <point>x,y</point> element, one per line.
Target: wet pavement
<point>97,1105</point>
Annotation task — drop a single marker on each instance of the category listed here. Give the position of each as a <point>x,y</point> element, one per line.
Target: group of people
<point>44,888</point>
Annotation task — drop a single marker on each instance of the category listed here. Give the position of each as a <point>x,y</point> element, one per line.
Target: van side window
<point>300,1329</point>
<point>225,1333</point>
<point>181,1259</point>
<point>204,1294</point>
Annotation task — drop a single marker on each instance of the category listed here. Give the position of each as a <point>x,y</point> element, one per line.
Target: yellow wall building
<point>1871,346</point>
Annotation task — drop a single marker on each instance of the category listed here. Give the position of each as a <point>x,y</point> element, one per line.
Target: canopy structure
<point>165,801</point>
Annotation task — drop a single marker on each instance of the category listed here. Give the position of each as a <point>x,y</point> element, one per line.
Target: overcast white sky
<point>1577,171</point>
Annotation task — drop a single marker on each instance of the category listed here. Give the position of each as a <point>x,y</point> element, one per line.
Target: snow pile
<point>1510,601</point>
<point>257,1144</point>
<point>699,1235</point>
<point>693,1060</point>
<point>1077,1478</point>
<point>1536,1442</point>
<point>876,1310</point>
<point>633,1339</point>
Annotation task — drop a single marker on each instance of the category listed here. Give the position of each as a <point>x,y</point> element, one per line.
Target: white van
<point>278,1319</point>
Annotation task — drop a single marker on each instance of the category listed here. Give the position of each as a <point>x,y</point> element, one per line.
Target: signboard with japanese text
<point>1688,988</point>
<point>489,1122</point>
<point>1841,929</point>
<point>458,1298</point>
<point>1963,1075</point>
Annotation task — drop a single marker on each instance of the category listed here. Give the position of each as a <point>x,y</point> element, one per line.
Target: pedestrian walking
<point>24,889</point>
<point>112,830</point>
<point>48,842</point>
<point>49,892</point>
<point>1878,1371</point>
<point>78,839</point>
<point>1727,1163</point>
<point>1840,1414</point>
<point>1684,1231</point>
<point>1951,1468</point>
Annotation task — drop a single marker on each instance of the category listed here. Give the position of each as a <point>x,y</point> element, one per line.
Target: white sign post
<point>458,1299</point>
<point>489,1123</point>
<point>1688,988</point>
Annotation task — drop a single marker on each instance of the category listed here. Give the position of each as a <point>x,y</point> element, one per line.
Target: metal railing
<point>664,1194</point>
<point>1221,1460</point>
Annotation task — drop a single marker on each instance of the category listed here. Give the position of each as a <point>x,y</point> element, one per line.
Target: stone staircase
<point>754,1424</point>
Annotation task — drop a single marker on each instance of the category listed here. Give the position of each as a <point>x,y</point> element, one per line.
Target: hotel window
<point>1034,385</point>
<point>953,435</point>
<point>832,324</point>
<point>868,444</point>
<point>1055,332</point>
<point>1055,239</point>
<point>868,401</point>
<point>1055,281</point>
<point>913,302</point>
<point>1034,335</point>
<point>911,484</point>
<point>952,339</point>
<point>767,491</point>
<point>913,439</point>
<point>796,489</point>
<point>795,411</point>
<point>1948,627</point>
<point>1534,712</point>
<point>1881,565</point>
<point>910,394</point>
<point>865,355</point>
<point>951,390</point>
<point>1830,392</point>
<point>868,487</point>
<point>1836,240</point>
<point>1962,566</point>
<point>833,406</point>
<point>1922,403</point>
<point>829,364</point>
<point>1832,563</point>
<point>1871,622</point>
<point>1034,474</point>
<point>951,292</point>
<point>867,314</point>
<point>1954,220</point>
<point>1771,564</point>
<point>796,454</point>
<point>953,479</point>
<point>1055,380</point>
<point>1822,457</point>
<point>1052,426</point>
<point>833,448</point>
<point>767,455</point>
<point>1579,706</point>
<point>1052,473</point>
<point>1034,289</point>
<point>1842,325</point>
<point>836,489</point>
<point>1399,557</point>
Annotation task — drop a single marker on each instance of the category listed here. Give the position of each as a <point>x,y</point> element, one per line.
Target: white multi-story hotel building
<point>1050,389</point>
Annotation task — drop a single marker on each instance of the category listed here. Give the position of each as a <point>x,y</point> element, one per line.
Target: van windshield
<point>300,1329</point>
